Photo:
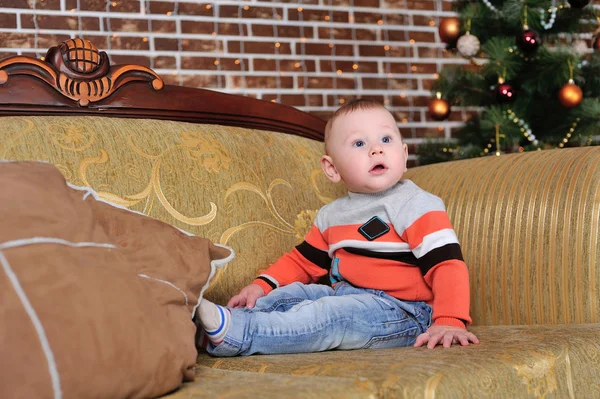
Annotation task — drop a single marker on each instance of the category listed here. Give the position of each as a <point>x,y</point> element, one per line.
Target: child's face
<point>365,151</point>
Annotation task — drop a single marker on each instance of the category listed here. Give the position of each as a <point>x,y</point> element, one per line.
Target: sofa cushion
<point>511,362</point>
<point>95,301</point>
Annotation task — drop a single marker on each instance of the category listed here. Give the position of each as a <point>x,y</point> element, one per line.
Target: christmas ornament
<point>596,43</point>
<point>504,91</point>
<point>579,3</point>
<point>468,45</point>
<point>449,30</point>
<point>580,47</point>
<point>439,109</point>
<point>570,95</point>
<point>528,41</point>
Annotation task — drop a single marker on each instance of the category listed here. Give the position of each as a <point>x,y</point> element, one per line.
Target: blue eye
<point>386,139</point>
<point>359,143</point>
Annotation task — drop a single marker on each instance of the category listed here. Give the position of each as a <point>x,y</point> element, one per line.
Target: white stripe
<point>271,279</point>
<point>370,245</point>
<point>168,283</point>
<point>435,240</point>
<point>51,240</point>
<point>54,376</point>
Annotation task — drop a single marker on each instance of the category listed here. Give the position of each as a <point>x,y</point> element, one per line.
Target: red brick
<point>198,9</point>
<point>304,2</point>
<point>346,66</point>
<point>324,49</point>
<point>208,28</point>
<point>22,40</point>
<point>163,62</point>
<point>251,12</point>
<point>130,59</point>
<point>119,42</point>
<point>269,82</point>
<point>199,81</point>
<point>8,21</point>
<point>423,20</point>
<point>420,101</point>
<point>375,18</point>
<point>389,83</point>
<point>208,63</point>
<point>201,45</point>
<point>260,48</point>
<point>327,83</point>
<point>284,65</point>
<point>299,100</point>
<point>163,44</point>
<point>357,3</point>
<point>346,34</point>
<point>281,30</point>
<point>432,52</point>
<point>317,15</point>
<point>380,51</point>
<point>399,101</point>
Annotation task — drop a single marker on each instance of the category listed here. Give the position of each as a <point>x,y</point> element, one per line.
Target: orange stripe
<point>315,238</point>
<point>428,223</point>
<point>335,234</point>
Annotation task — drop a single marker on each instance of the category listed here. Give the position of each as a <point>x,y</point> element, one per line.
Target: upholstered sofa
<point>245,173</point>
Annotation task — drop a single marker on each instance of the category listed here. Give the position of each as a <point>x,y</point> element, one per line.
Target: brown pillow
<point>95,301</point>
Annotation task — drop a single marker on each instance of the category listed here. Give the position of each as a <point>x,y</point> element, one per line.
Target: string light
<point>569,134</point>
<point>524,127</point>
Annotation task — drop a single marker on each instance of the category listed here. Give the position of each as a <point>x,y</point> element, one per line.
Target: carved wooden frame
<point>74,78</point>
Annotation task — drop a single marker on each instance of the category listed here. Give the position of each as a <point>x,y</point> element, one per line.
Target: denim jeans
<point>310,318</point>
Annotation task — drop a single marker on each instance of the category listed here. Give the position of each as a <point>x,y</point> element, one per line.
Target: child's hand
<point>247,297</point>
<point>445,335</point>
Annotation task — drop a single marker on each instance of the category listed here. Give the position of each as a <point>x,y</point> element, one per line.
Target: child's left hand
<point>446,336</point>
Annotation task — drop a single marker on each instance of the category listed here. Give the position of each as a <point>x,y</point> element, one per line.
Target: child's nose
<point>377,150</point>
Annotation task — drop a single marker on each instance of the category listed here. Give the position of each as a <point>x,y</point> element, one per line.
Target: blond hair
<point>359,104</point>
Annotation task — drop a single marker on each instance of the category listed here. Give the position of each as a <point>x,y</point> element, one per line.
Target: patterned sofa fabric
<point>253,190</point>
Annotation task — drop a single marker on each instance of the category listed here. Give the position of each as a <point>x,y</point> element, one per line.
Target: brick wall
<point>311,54</point>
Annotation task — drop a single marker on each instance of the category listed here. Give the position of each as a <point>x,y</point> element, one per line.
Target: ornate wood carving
<point>78,71</point>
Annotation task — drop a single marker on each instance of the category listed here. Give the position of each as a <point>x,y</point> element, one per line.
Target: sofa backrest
<point>245,173</point>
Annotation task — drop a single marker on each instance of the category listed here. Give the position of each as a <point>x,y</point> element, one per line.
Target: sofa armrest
<point>529,226</point>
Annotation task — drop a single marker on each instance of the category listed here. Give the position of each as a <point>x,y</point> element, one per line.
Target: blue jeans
<point>310,318</point>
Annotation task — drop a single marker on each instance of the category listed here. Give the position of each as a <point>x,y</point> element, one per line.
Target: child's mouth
<point>378,169</point>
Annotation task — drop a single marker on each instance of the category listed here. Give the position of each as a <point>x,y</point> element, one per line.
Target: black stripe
<point>315,255</point>
<point>404,257</point>
<point>266,280</point>
<point>438,255</point>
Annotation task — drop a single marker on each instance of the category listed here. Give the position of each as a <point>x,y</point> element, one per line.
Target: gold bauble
<point>449,30</point>
<point>439,109</point>
<point>570,95</point>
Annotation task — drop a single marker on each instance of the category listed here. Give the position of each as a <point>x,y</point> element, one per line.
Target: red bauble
<point>439,109</point>
<point>528,41</point>
<point>505,92</point>
<point>596,43</point>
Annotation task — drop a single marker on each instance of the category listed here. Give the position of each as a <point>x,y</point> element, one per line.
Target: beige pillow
<point>95,301</point>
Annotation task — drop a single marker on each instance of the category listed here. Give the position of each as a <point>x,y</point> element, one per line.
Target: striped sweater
<point>399,241</point>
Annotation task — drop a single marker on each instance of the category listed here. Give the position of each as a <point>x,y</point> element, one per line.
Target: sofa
<point>244,173</point>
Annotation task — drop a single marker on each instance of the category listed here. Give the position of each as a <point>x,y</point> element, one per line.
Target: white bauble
<point>581,47</point>
<point>468,45</point>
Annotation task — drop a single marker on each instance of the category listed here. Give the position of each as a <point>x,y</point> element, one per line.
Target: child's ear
<point>405,157</point>
<point>329,169</point>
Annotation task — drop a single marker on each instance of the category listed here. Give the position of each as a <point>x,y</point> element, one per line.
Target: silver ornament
<point>468,45</point>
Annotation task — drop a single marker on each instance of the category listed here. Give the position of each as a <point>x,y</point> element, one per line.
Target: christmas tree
<point>534,76</point>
